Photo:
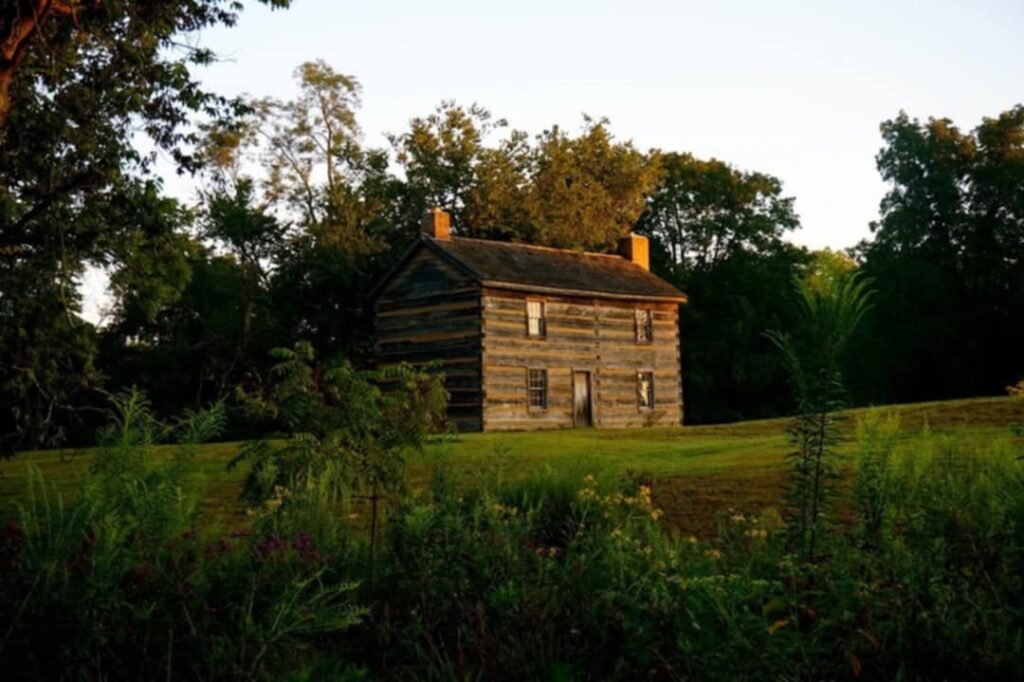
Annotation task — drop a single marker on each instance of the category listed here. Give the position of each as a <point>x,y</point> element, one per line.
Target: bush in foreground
<point>546,578</point>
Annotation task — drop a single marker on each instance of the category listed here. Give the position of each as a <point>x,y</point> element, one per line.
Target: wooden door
<point>581,409</point>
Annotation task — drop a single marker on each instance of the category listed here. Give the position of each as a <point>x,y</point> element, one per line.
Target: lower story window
<point>537,388</point>
<point>645,390</point>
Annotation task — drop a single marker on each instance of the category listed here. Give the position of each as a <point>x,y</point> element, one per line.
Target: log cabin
<point>531,337</point>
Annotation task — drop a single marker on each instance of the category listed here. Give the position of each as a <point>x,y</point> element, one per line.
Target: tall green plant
<point>830,310</point>
<point>348,432</point>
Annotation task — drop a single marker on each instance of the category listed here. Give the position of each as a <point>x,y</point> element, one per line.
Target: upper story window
<point>537,388</point>
<point>645,390</point>
<point>535,322</point>
<point>644,325</point>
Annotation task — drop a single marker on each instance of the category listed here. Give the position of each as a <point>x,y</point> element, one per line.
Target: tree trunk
<point>19,26</point>
<point>6,78</point>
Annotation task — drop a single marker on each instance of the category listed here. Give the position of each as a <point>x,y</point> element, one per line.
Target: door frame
<point>590,395</point>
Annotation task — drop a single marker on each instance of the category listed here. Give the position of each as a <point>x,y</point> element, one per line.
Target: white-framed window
<point>645,390</point>
<point>643,322</point>
<point>536,325</point>
<point>537,389</point>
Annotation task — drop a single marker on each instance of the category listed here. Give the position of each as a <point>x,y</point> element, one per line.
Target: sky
<point>793,89</point>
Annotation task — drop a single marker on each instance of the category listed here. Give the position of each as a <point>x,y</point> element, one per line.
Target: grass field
<point>697,470</point>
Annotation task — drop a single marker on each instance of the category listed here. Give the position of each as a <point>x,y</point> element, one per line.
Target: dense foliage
<point>542,578</point>
<point>718,234</point>
<point>298,216</point>
<point>948,260</point>
<point>90,91</point>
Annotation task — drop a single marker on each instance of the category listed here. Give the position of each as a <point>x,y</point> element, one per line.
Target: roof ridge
<point>539,247</point>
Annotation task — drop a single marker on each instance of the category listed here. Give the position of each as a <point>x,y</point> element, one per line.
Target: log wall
<point>583,334</point>
<point>430,311</point>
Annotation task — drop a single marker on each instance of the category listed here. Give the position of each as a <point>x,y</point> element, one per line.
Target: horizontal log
<point>471,425</point>
<point>464,404</point>
<point>493,415</point>
<point>405,302</point>
<point>424,355</point>
<point>510,310</point>
<point>511,295</point>
<point>429,336</point>
<point>579,362</point>
<point>470,304</point>
<point>444,320</point>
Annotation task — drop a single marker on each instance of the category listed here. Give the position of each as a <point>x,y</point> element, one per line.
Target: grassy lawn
<point>697,470</point>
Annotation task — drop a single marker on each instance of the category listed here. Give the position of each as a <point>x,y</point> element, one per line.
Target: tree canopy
<point>85,86</point>
<point>297,216</point>
<point>948,260</point>
<point>718,234</point>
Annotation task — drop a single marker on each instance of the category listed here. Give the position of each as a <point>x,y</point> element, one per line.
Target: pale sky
<point>794,89</point>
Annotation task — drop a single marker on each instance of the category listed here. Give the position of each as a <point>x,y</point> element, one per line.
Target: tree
<point>717,233</point>
<point>325,201</point>
<point>216,331</point>
<point>440,154</point>
<point>348,431</point>
<point>587,191</point>
<point>581,192</point>
<point>83,87</point>
<point>948,256</point>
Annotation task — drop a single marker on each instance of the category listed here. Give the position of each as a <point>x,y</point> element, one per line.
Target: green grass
<point>697,470</point>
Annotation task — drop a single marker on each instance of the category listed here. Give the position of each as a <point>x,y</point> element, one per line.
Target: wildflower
<point>270,547</point>
<point>713,553</point>
<point>304,547</point>
<point>656,514</point>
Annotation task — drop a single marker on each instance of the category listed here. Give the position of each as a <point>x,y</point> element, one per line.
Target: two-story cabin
<point>530,337</point>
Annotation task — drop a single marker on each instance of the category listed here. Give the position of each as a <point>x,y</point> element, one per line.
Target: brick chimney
<point>437,224</point>
<point>634,248</point>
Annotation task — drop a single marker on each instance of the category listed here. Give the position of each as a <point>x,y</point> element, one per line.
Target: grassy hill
<point>697,470</point>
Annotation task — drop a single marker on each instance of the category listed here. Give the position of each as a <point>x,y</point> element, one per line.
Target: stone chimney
<point>437,224</point>
<point>634,248</point>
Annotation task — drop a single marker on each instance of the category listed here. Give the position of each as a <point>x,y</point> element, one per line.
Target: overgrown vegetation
<point>556,576</point>
<point>126,583</point>
<point>339,568</point>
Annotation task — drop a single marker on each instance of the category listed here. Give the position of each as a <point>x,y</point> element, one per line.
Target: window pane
<point>537,388</point>
<point>535,318</point>
<point>644,326</point>
<point>645,389</point>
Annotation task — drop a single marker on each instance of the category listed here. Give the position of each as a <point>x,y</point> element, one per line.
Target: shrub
<point>119,584</point>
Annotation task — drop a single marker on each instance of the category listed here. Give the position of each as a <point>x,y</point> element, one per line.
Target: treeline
<point>298,215</point>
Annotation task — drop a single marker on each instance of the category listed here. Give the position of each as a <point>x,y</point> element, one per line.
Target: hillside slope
<point>697,471</point>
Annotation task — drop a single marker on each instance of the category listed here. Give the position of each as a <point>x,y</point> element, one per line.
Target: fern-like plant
<point>347,431</point>
<point>830,310</point>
